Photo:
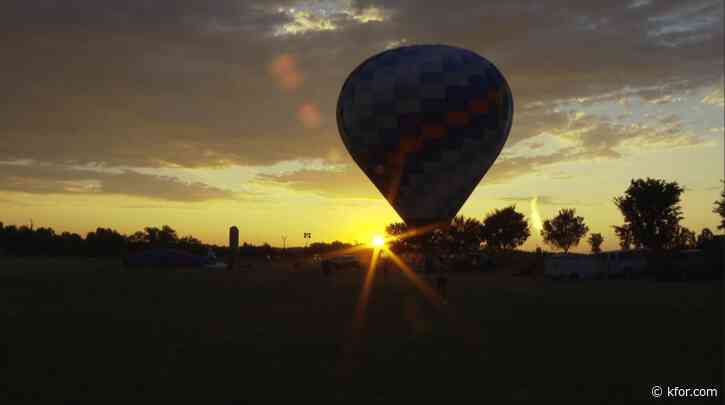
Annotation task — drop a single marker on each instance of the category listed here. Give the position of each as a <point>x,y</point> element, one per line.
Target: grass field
<point>83,329</point>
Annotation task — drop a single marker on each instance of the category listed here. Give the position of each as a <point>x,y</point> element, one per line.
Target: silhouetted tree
<point>565,230</point>
<point>137,237</point>
<point>164,237</point>
<point>152,235</point>
<point>651,210</point>
<point>24,241</point>
<point>321,247</point>
<point>396,230</point>
<point>595,241</point>
<point>8,238</point>
<point>43,239</point>
<point>167,236</point>
<point>505,229</point>
<point>105,242</point>
<point>684,239</point>
<point>705,236</point>
<point>72,244</point>
<point>192,245</point>
<point>720,210</point>
<point>462,235</point>
<point>337,245</point>
<point>624,233</point>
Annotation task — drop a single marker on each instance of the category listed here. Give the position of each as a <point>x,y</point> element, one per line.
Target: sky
<point>203,115</point>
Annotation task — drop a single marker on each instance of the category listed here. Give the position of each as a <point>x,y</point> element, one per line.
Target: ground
<point>84,329</point>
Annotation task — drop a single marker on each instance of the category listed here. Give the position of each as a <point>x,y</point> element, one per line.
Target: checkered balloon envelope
<point>425,123</point>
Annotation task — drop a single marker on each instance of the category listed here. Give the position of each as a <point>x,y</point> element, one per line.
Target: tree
<point>505,229</point>
<point>720,210</point>
<point>651,211</point>
<point>395,230</point>
<point>595,241</point>
<point>705,236</point>
<point>164,237</point>
<point>167,236</point>
<point>72,244</point>
<point>43,241</point>
<point>152,235</point>
<point>105,242</point>
<point>565,230</point>
<point>624,234</point>
<point>192,245</point>
<point>462,235</point>
<point>137,237</point>
<point>683,239</point>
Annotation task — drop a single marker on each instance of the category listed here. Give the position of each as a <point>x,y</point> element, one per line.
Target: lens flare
<point>378,241</point>
<point>535,216</point>
<point>309,115</point>
<point>285,71</point>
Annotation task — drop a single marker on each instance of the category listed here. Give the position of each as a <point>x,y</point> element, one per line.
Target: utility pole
<point>284,243</point>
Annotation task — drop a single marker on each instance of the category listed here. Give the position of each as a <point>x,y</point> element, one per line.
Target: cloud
<point>54,179</point>
<point>163,188</point>
<point>715,97</point>
<point>311,16</point>
<point>346,182</point>
<point>181,83</point>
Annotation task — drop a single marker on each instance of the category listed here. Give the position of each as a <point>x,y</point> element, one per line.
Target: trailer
<point>574,266</point>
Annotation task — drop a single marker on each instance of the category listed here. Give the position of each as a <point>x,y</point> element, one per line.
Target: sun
<point>378,241</point>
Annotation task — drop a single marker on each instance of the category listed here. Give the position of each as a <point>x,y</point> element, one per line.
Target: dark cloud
<point>50,179</point>
<point>157,83</point>
<point>136,15</point>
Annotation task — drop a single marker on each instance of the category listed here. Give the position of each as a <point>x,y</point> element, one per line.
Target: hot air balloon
<point>425,123</point>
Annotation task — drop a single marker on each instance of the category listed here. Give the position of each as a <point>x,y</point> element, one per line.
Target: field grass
<point>83,329</point>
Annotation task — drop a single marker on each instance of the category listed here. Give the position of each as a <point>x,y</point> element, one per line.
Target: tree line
<point>650,208</point>
<point>105,242</point>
